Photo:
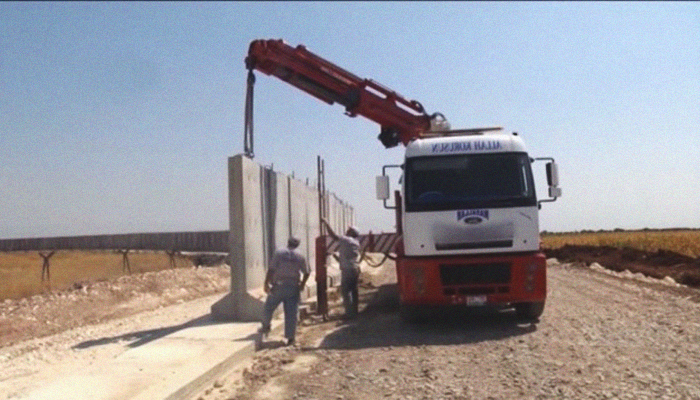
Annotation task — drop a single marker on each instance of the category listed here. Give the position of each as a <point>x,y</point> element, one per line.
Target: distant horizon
<point>544,232</point>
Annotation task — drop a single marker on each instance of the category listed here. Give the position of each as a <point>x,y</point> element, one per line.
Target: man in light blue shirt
<point>282,285</point>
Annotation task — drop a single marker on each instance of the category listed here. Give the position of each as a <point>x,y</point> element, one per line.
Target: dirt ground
<point>90,303</point>
<point>602,336</point>
<point>683,269</point>
<point>582,348</point>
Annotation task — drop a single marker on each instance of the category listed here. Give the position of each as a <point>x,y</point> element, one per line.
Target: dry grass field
<point>21,271</point>
<point>685,242</point>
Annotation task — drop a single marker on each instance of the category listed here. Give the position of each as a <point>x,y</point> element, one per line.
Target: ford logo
<point>473,220</point>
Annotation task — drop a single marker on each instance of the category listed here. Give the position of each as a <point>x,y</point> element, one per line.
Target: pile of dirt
<point>660,264</point>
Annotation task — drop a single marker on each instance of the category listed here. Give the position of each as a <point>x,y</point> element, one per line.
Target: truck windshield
<point>469,181</point>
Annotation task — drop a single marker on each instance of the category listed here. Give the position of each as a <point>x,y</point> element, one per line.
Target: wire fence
<point>208,241</point>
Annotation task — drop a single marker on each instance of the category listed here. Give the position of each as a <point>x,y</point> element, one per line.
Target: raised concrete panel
<point>266,207</point>
<point>280,224</point>
<point>247,251</point>
<point>311,222</point>
<point>298,214</point>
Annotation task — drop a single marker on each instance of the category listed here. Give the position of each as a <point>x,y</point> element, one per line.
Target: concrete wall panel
<point>266,208</point>
<point>281,222</point>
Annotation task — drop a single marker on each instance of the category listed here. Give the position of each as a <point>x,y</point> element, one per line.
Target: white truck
<point>467,212</point>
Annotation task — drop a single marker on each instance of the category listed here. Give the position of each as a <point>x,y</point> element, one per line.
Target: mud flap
<point>530,311</point>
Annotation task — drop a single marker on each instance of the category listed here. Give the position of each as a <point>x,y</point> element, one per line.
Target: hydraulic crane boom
<point>401,120</point>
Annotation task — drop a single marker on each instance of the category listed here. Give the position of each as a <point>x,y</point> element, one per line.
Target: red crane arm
<point>401,120</point>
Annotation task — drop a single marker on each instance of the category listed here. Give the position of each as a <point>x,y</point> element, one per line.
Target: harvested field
<point>681,241</point>
<point>657,254</point>
<point>21,271</point>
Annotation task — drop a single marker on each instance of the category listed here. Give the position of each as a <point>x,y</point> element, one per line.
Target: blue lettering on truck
<point>482,145</point>
<point>480,214</point>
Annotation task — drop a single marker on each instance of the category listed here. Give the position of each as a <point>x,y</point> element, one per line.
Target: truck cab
<point>469,219</point>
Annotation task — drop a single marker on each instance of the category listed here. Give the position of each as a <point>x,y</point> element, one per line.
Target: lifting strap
<point>248,124</point>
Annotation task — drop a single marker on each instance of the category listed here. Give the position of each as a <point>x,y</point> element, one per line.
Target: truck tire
<point>530,311</point>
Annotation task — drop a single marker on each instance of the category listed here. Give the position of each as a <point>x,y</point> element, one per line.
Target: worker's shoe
<point>264,331</point>
<point>290,342</point>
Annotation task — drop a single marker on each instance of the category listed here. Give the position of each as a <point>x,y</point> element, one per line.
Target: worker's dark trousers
<point>348,287</point>
<point>288,295</point>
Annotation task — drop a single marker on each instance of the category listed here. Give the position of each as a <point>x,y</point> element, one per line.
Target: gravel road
<point>601,337</point>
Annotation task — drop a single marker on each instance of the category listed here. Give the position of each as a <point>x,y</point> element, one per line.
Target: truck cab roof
<point>468,143</point>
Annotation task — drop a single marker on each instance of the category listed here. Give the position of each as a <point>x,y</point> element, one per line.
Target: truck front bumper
<point>472,280</point>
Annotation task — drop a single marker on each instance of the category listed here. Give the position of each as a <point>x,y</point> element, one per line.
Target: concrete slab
<point>175,366</point>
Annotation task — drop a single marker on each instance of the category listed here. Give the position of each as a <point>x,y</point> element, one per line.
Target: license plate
<point>476,300</point>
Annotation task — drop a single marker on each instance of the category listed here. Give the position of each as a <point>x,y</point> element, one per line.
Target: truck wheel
<point>530,311</point>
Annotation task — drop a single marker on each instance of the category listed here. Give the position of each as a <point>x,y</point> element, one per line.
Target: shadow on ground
<point>140,338</point>
<point>381,325</point>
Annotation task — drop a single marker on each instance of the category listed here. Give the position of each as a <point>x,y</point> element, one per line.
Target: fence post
<point>321,278</point>
<point>45,266</point>
<point>125,260</point>
<point>171,255</point>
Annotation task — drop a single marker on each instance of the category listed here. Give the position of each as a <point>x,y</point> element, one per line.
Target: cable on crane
<point>248,124</point>
<point>379,264</point>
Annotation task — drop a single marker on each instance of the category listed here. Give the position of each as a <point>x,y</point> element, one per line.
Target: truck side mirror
<point>554,192</point>
<point>553,179</point>
<point>383,192</point>
<point>552,174</point>
<point>552,171</point>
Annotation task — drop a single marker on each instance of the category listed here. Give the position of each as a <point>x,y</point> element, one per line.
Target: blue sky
<point>119,117</point>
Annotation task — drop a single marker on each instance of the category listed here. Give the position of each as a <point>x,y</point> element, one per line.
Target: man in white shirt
<point>349,258</point>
